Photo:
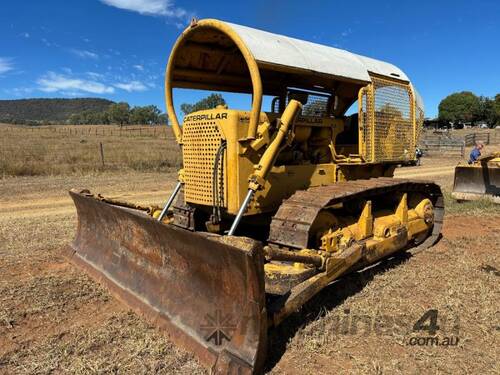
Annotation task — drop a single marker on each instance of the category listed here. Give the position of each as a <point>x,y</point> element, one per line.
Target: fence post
<point>102,153</point>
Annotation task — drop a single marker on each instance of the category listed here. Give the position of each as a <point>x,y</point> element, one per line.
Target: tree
<point>487,111</point>
<point>145,115</point>
<point>496,108</point>
<point>153,114</point>
<point>119,113</point>
<point>89,117</point>
<point>211,101</point>
<point>104,117</point>
<point>163,119</point>
<point>75,119</point>
<point>460,107</point>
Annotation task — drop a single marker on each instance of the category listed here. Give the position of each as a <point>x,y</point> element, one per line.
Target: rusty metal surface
<point>183,213</point>
<point>473,180</point>
<point>205,291</point>
<point>292,223</point>
<point>300,294</point>
<point>289,256</point>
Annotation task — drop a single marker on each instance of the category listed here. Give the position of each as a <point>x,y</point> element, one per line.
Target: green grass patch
<point>473,208</point>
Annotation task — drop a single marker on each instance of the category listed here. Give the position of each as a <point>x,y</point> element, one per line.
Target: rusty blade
<point>205,291</point>
<point>476,180</point>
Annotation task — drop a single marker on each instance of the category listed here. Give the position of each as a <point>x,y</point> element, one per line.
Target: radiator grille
<point>201,140</point>
<point>386,121</point>
<point>393,123</point>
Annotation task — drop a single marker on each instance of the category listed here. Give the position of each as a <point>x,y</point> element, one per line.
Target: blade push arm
<point>258,178</point>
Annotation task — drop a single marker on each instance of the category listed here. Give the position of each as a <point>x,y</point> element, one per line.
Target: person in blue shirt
<point>476,152</point>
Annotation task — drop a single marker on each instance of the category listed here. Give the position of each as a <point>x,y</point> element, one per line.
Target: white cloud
<point>115,52</point>
<point>95,75</point>
<point>149,7</point>
<point>19,91</point>
<point>46,42</point>
<point>26,35</point>
<point>131,86</point>
<point>346,33</point>
<point>53,82</point>
<point>84,54</point>
<point>139,67</point>
<point>5,65</point>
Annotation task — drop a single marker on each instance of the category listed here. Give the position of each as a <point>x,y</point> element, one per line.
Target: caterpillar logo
<point>206,117</point>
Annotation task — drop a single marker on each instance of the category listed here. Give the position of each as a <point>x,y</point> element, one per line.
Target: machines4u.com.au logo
<point>218,327</point>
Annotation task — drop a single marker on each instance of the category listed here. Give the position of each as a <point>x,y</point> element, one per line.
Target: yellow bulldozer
<point>478,180</point>
<point>272,204</point>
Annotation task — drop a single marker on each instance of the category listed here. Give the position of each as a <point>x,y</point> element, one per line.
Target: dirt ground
<point>54,319</point>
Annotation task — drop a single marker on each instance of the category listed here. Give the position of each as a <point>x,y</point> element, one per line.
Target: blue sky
<point>117,49</point>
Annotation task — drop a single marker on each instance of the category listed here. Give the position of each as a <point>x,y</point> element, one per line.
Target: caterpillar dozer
<point>479,180</point>
<point>272,204</point>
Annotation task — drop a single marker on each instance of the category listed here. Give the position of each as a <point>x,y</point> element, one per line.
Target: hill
<point>36,111</point>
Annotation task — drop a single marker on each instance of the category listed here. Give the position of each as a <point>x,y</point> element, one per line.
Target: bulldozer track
<point>290,226</point>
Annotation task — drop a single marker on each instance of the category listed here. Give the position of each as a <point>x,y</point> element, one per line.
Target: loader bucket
<point>477,181</point>
<point>205,291</point>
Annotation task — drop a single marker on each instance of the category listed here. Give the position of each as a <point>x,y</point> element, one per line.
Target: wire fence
<point>457,142</point>
<point>163,132</point>
<point>444,146</point>
<point>55,150</point>
<point>471,139</point>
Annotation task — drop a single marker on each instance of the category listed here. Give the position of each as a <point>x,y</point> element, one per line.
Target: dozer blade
<point>477,181</point>
<point>205,291</point>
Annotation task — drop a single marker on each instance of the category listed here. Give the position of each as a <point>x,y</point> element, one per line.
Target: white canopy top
<point>269,48</point>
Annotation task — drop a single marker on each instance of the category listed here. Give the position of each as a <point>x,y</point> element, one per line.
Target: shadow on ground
<point>325,301</point>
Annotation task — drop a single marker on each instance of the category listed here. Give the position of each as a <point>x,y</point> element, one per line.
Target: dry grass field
<point>56,150</point>
<point>54,319</point>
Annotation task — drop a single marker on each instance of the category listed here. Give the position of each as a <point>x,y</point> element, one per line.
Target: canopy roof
<point>268,48</point>
<point>221,56</point>
<point>217,55</point>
